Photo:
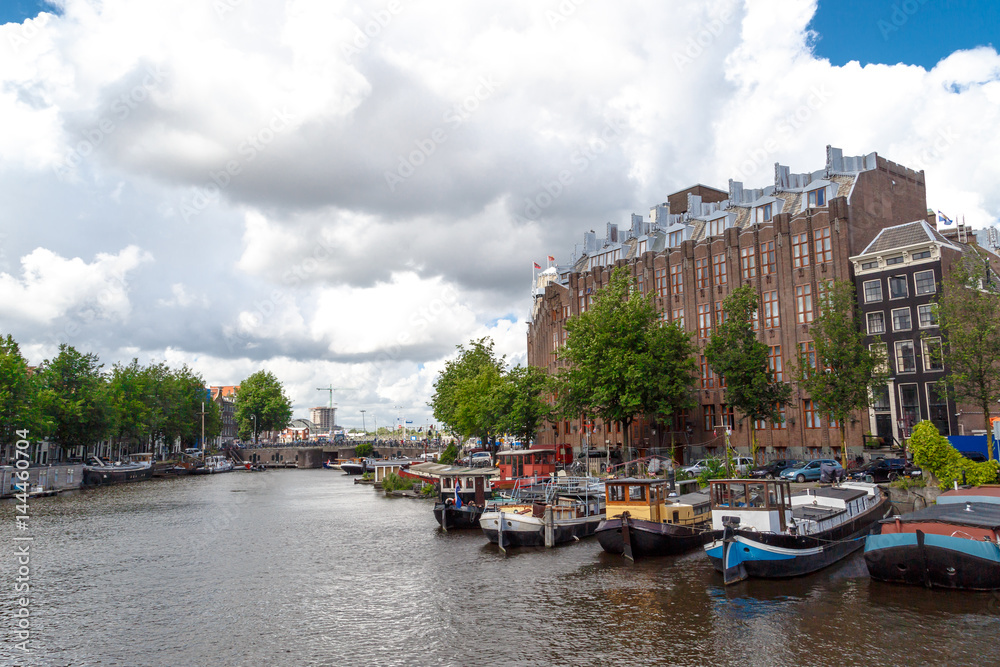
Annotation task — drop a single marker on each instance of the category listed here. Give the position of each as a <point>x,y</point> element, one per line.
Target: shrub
<point>395,482</point>
<point>363,450</point>
<point>715,470</point>
<point>909,483</point>
<point>368,476</point>
<point>449,454</point>
<point>933,453</point>
<point>429,490</point>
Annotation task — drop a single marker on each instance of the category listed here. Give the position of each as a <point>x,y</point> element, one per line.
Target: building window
<point>660,282</point>
<point>933,358</point>
<point>640,282</point>
<point>905,360</point>
<point>824,288</point>
<point>755,320</point>
<point>869,265</point>
<point>679,317</point>
<point>781,424</point>
<point>771,318</point>
<point>803,304</point>
<point>719,269</point>
<point>897,287</point>
<point>810,417</point>
<point>923,281</point>
<point>768,264</point>
<point>707,375</point>
<point>701,272</point>
<point>581,300</point>
<point>880,399</point>
<point>676,280</point>
<point>774,363</point>
<point>807,354</point>
<point>728,416</point>
<point>881,350</point>
<point>937,407</point>
<point>763,213</point>
<point>901,319</point>
<point>720,314</point>
<point>876,323</point>
<point>890,261</point>
<point>823,245</point>
<point>704,320</point>
<point>709,417</point>
<point>717,226</point>
<point>927,315</point>
<point>675,239</point>
<point>923,254</point>
<point>817,198</point>
<point>873,291</point>
<point>748,262</point>
<point>800,250</point>
<point>909,405</point>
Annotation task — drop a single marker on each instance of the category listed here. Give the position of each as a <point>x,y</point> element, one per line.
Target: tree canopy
<point>735,353</point>
<point>622,360</point>
<point>261,405</point>
<point>848,370</point>
<point>74,395</point>
<point>19,407</point>
<point>968,311</point>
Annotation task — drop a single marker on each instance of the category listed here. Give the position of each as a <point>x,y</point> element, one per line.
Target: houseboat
<point>643,519</point>
<point>215,464</point>
<point>98,473</point>
<point>464,494</point>
<point>563,509</point>
<point>534,465</point>
<point>762,530</point>
<point>953,544</point>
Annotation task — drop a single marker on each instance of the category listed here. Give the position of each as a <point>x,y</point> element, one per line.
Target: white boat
<point>214,464</point>
<point>562,510</point>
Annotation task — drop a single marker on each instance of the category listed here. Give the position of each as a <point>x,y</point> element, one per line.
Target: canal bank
<point>304,567</point>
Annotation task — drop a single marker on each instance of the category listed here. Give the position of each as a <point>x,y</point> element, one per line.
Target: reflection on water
<point>307,568</point>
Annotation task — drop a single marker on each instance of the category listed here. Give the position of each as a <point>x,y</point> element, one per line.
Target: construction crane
<point>332,389</point>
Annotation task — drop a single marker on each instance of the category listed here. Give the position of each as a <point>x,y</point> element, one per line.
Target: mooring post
<point>500,533</point>
<point>549,528</point>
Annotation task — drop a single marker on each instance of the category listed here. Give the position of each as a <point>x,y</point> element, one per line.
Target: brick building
<point>788,240</point>
<point>225,398</point>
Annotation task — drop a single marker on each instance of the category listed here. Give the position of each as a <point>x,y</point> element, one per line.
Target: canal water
<point>303,567</point>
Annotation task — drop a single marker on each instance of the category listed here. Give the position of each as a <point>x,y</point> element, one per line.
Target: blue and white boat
<point>953,544</point>
<point>763,530</point>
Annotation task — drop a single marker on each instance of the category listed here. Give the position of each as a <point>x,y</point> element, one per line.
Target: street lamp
<point>363,427</point>
<point>254,418</point>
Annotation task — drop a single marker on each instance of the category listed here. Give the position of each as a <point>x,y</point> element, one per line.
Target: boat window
<point>677,516</point>
<point>755,496</point>
<point>616,493</point>
<point>637,492</point>
<point>739,494</point>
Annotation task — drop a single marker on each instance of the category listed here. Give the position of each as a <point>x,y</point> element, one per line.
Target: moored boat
<point>97,473</point>
<point>568,509</point>
<point>214,464</point>
<point>953,544</point>
<point>644,520</point>
<point>762,530</point>
<point>353,467</point>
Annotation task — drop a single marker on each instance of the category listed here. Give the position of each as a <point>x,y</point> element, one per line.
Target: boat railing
<point>575,486</point>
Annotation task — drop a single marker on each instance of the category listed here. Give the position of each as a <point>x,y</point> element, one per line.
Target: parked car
<point>773,469</point>
<point>480,459</point>
<point>808,471</point>
<point>697,467</point>
<point>978,457</point>
<point>885,470</point>
<point>742,465</point>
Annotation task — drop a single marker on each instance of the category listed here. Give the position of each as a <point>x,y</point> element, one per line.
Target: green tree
<point>623,362</point>
<point>464,397</point>
<point>261,405</point>
<point>735,352</point>
<point>968,311</point>
<point>74,398</point>
<point>852,369</point>
<point>18,394</point>
<point>519,402</point>
<point>129,403</point>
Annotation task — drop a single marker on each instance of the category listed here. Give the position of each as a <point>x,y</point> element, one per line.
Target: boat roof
<point>445,470</point>
<point>845,494</point>
<point>512,452</point>
<point>983,494</point>
<point>694,498</point>
<point>980,515</point>
<point>635,480</point>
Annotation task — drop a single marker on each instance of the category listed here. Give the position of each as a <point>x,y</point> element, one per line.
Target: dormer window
<point>923,254</point>
<point>869,265</point>
<point>817,198</point>
<point>675,239</point>
<point>894,260</point>
<point>763,213</point>
<point>717,226</point>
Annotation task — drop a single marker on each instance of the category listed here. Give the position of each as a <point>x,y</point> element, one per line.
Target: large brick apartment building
<point>788,240</point>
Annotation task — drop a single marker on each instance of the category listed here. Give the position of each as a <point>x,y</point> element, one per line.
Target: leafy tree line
<point>72,401</point>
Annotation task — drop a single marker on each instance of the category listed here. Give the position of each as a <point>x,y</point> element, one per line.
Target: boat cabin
<point>536,463</point>
<point>763,505</point>
<point>476,483</point>
<point>650,500</point>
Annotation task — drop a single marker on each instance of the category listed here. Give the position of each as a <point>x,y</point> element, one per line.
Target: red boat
<point>529,466</point>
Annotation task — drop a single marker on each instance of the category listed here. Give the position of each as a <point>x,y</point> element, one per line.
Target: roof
<point>511,452</point>
<point>694,498</point>
<point>905,235</point>
<point>979,515</point>
<point>636,480</point>
<point>845,494</point>
<point>444,470</point>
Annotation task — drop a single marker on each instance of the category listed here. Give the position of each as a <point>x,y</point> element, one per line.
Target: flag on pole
<point>551,258</point>
<point>537,265</point>
<point>458,490</point>
<point>945,218</point>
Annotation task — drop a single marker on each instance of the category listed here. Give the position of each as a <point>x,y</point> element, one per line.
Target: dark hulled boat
<point>97,473</point>
<point>763,531</point>
<point>953,544</point>
<point>644,520</point>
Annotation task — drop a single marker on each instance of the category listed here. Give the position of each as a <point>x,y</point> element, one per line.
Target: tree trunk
<point>989,431</point>
<point>843,444</point>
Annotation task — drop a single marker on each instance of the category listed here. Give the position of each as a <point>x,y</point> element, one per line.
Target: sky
<point>343,192</point>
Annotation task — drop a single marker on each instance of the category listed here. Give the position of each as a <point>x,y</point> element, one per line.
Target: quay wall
<point>58,477</point>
